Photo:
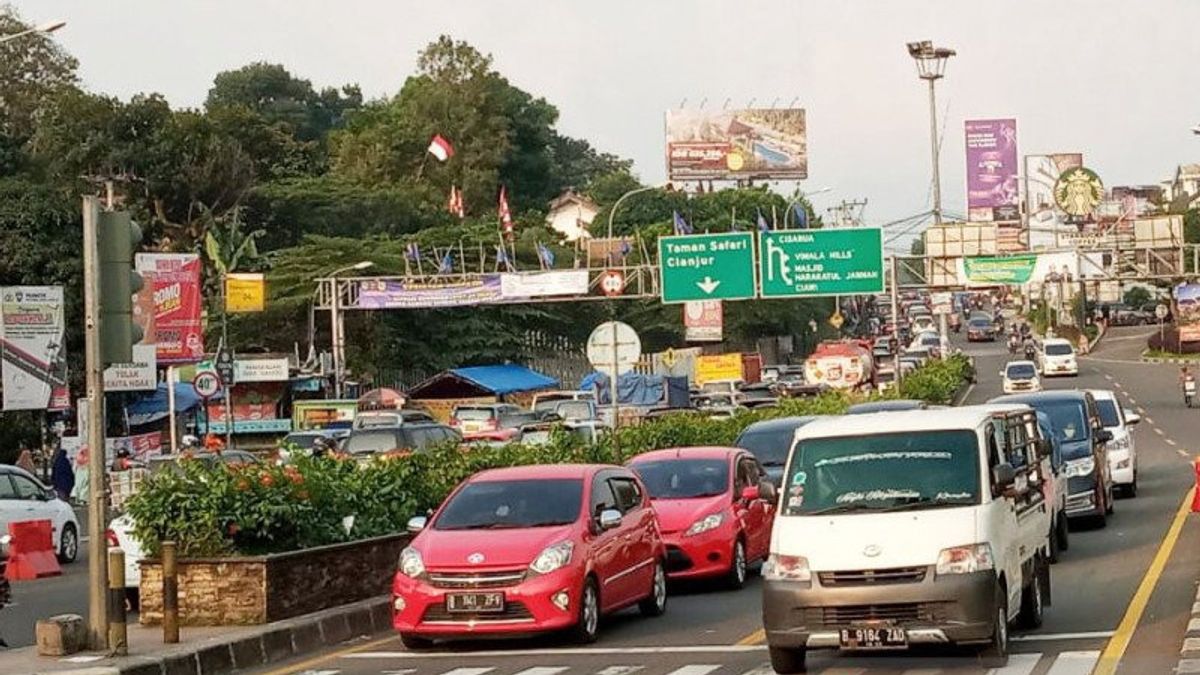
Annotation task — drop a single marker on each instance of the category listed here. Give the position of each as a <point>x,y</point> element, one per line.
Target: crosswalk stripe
<point>543,670</point>
<point>1018,664</point>
<point>468,671</point>
<point>620,670</point>
<point>764,669</point>
<point>694,670</point>
<point>1074,663</point>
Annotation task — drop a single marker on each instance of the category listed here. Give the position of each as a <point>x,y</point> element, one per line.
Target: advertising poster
<point>544,284</point>
<point>1187,312</point>
<point>770,143</point>
<point>178,333</point>
<point>140,374</point>
<point>385,294</point>
<point>703,321</point>
<point>992,170</point>
<point>245,292</point>
<point>34,368</point>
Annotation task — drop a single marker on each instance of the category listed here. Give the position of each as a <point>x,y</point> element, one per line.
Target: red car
<point>531,549</point>
<point>715,507</point>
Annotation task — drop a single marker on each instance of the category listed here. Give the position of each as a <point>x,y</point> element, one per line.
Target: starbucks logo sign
<point>1078,191</point>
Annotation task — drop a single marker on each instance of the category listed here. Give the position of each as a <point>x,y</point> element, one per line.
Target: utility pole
<point>97,469</point>
<point>848,213</point>
<point>895,289</point>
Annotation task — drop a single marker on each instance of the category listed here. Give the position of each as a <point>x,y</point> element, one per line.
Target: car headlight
<point>786,568</point>
<point>965,559</point>
<point>710,522</point>
<point>1121,443</point>
<point>1079,467</point>
<point>411,564</point>
<point>553,557</point>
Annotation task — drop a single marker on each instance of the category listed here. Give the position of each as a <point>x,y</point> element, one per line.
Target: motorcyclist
<point>1185,374</point>
<point>1030,349</point>
<point>1012,343</point>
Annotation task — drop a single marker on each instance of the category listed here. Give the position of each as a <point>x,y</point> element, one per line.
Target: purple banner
<point>991,164</point>
<point>434,293</point>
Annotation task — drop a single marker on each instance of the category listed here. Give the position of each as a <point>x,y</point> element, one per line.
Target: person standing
<point>25,460</point>
<point>62,476</point>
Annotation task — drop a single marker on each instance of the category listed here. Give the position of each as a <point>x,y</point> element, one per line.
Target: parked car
<point>304,440</point>
<point>882,348</point>
<point>370,419</point>
<point>476,417</point>
<point>769,442</point>
<point>923,322</point>
<point>1083,438</point>
<point>981,330</point>
<point>415,437</point>
<point>757,395</point>
<point>528,550</point>
<point>890,405</point>
<point>23,497</point>
<point>1122,451</point>
<point>714,508</point>
<point>1020,376</point>
<point>1056,356</point>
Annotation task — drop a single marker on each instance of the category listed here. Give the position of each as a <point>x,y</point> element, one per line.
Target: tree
<point>1137,296</point>
<point>33,69</point>
<point>281,98</point>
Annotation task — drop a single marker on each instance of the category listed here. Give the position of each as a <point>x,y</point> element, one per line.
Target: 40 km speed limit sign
<point>207,384</point>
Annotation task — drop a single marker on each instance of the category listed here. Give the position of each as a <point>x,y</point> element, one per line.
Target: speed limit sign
<point>206,383</point>
<point>612,283</point>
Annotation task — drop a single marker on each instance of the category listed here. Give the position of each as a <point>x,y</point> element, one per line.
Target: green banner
<point>1013,269</point>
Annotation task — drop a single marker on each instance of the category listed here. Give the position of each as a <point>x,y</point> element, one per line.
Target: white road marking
<point>1108,377</point>
<point>1182,453</point>
<point>1149,420</point>
<point>320,672</point>
<point>1193,626</point>
<point>1171,442</point>
<point>1074,663</point>
<point>1188,666</point>
<point>1115,384</point>
<point>1159,431</point>
<point>1132,400</point>
<point>694,670</point>
<point>1048,637</point>
<point>570,651</point>
<point>764,669</point>
<point>468,671</point>
<point>1018,664</point>
<point>620,670</point>
<point>543,670</point>
<point>1141,411</point>
<point>401,671</point>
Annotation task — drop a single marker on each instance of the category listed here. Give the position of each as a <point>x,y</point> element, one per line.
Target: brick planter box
<point>260,589</point>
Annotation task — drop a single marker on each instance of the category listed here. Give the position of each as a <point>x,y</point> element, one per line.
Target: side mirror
<point>1104,435</point>
<point>1131,417</point>
<point>609,519</point>
<point>750,493</point>
<point>50,495</point>
<point>1045,447</point>
<point>1004,476</point>
<point>416,524</point>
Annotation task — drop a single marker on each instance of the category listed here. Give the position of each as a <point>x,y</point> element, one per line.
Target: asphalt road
<point>38,599</point>
<point>707,631</point>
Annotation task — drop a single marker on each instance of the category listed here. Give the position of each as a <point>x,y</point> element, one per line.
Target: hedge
<point>254,509</point>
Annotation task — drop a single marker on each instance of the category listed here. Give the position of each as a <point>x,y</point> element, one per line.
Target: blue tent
<point>479,381</point>
<point>154,406</point>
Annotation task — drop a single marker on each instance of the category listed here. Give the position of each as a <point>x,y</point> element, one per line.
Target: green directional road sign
<point>802,263</point>
<point>707,267</point>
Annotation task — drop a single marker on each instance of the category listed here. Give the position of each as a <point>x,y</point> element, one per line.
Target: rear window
<point>367,442</point>
<point>1023,371</point>
<point>575,410</point>
<point>512,504</point>
<point>1109,415</point>
<point>979,324</point>
<point>474,414</point>
<point>1059,349</point>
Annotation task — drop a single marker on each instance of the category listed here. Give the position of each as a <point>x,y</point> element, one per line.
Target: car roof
<point>1053,395</point>
<point>698,452</point>
<point>779,424</point>
<point>895,421</point>
<point>1106,394</point>
<point>541,472</point>
<point>1022,362</point>
<point>1056,341</point>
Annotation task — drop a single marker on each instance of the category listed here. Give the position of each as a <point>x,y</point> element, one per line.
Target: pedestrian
<point>25,460</point>
<point>62,476</point>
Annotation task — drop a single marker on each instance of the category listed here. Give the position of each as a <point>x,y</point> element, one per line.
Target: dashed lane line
<point>1183,454</point>
<point>1159,431</point>
<point>1074,663</point>
<point>1171,442</point>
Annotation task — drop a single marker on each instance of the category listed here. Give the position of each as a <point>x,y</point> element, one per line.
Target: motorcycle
<point>1012,347</point>
<point>1189,391</point>
<point>1030,352</point>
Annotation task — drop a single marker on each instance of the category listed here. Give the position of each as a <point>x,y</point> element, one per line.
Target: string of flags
<point>681,225</point>
<point>455,204</point>
<point>506,221</point>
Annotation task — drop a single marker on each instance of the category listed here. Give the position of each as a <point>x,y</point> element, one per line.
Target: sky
<point>1114,80</point>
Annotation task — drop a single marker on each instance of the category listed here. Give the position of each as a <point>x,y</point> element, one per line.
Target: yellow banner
<point>245,292</point>
<point>716,367</point>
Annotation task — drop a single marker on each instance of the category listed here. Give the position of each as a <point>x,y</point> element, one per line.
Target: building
<point>570,214</point>
<point>1186,181</point>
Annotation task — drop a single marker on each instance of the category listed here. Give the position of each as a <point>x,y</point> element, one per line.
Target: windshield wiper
<point>923,503</point>
<point>844,508</point>
<point>772,462</point>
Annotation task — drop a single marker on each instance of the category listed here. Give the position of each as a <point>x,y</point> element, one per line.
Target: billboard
<point>1187,312</point>
<point>769,143</point>
<point>1046,220</point>
<point>34,368</point>
<point>992,190</point>
<point>245,292</point>
<point>703,321</point>
<point>176,331</point>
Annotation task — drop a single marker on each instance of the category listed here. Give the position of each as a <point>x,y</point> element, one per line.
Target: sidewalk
<point>206,651</point>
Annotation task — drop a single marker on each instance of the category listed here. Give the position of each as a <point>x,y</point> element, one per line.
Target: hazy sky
<point>1114,80</point>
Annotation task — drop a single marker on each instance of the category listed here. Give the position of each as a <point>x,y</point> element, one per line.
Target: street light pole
<point>931,67</point>
<point>337,340</point>
<point>44,29</point>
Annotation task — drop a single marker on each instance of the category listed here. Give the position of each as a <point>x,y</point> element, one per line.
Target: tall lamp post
<point>44,29</point>
<point>931,67</point>
<point>337,338</point>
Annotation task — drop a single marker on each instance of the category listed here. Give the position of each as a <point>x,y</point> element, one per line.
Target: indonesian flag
<point>455,203</point>
<point>441,148</point>
<point>506,221</point>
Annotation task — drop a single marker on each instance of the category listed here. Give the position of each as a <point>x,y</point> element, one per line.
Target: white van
<point>1057,357</point>
<point>904,528</point>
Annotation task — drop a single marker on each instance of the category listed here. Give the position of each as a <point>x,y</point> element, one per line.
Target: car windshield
<point>366,442</point>
<point>302,441</point>
<point>1021,371</point>
<point>979,324</point>
<point>1109,415</point>
<point>1059,349</point>
<point>473,414</point>
<point>684,478</point>
<point>894,471</point>
<point>1069,423</point>
<point>575,410</point>
<point>512,504</point>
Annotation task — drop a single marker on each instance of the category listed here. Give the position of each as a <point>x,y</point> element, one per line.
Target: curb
<point>1092,343</point>
<point>1169,359</point>
<point>276,642</point>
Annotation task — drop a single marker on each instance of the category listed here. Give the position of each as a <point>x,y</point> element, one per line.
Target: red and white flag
<point>455,203</point>
<point>441,148</point>
<point>506,221</point>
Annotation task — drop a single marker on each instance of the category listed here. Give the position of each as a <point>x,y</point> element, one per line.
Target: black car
<point>770,441</point>
<point>981,330</point>
<point>416,437</point>
<point>1083,440</point>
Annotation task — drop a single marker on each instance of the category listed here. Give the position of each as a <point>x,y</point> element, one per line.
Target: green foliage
<point>269,90</point>
<point>1136,296</point>
<point>938,380</point>
<point>1191,225</point>
<point>33,68</point>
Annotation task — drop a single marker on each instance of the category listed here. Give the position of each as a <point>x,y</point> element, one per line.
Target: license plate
<point>873,638</point>
<point>475,602</point>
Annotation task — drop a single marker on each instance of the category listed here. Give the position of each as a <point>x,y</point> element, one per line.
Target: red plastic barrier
<point>1196,492</point>
<point>31,553</point>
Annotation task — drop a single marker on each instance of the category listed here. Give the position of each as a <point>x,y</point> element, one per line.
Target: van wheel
<point>68,544</point>
<point>1032,600</point>
<point>1064,532</point>
<point>1052,557</point>
<point>787,660</point>
<point>995,653</point>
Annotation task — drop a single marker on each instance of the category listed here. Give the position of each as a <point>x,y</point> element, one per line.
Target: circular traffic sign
<point>612,283</point>
<point>614,348</point>
<point>206,383</point>
<point>1161,311</point>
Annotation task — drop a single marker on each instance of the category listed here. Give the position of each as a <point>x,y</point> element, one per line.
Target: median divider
<point>31,553</point>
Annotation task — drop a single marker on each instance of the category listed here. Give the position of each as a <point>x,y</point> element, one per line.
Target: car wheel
<point>1131,489</point>
<point>415,643</point>
<point>736,577</point>
<point>587,626</point>
<point>1032,598</point>
<point>656,603</point>
<point>995,652</point>
<point>68,544</point>
<point>787,660</point>
<point>1064,532</point>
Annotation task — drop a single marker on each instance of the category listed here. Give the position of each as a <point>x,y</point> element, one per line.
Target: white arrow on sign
<point>708,285</point>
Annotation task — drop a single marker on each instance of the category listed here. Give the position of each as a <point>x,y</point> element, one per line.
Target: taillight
<point>454,422</point>
<point>111,537</point>
<point>493,424</point>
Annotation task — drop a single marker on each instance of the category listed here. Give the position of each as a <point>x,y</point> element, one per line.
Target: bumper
<point>1083,497</point>
<point>1121,467</point>
<point>701,556</point>
<point>528,608</point>
<point>1051,370</point>
<point>1021,387</point>
<point>952,609</point>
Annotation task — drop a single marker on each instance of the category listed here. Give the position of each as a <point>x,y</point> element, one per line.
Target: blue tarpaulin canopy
<point>153,406</point>
<point>638,389</point>
<point>476,381</point>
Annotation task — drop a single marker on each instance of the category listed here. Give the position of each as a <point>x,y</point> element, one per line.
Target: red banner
<point>178,330</point>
